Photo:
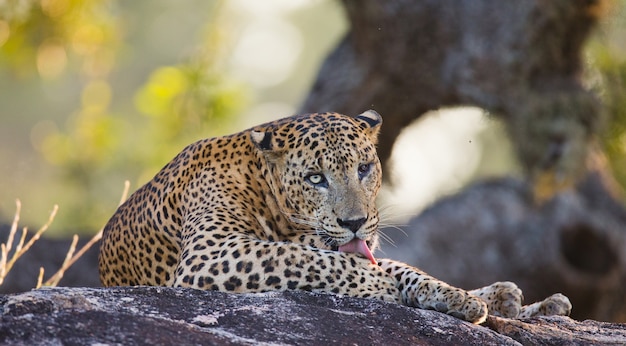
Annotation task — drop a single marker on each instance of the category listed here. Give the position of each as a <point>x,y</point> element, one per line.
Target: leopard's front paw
<point>503,298</point>
<point>472,310</point>
<point>458,303</point>
<point>556,304</point>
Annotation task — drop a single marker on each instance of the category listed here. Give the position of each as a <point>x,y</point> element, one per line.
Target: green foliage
<point>182,104</point>
<point>100,146</point>
<point>612,70</point>
<point>45,36</point>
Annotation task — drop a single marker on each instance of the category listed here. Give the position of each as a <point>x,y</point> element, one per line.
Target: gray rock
<point>491,231</point>
<point>166,316</point>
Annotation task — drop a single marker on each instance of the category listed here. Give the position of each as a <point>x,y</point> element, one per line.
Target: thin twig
<point>16,219</point>
<point>40,277</point>
<point>6,264</point>
<point>69,259</point>
<point>125,192</point>
<point>3,261</point>
<point>22,249</point>
<point>6,248</point>
<point>20,244</point>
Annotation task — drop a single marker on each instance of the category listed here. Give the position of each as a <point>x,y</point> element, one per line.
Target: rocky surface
<point>166,316</point>
<point>492,231</point>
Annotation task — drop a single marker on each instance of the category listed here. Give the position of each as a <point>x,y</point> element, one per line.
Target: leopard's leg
<point>503,298</point>
<point>556,304</point>
<point>238,263</point>
<point>420,290</point>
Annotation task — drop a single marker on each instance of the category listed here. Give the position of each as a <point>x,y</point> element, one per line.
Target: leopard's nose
<point>353,225</point>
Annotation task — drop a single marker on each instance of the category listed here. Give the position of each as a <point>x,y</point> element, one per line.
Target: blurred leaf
<point>610,67</point>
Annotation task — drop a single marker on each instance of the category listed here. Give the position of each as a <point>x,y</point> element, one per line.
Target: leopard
<point>286,205</point>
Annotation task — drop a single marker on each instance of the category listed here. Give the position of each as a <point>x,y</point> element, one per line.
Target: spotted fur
<point>269,209</point>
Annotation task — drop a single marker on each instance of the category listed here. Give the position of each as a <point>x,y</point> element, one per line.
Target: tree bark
<point>520,60</point>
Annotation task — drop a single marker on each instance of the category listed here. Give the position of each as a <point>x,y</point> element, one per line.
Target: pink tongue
<point>358,246</point>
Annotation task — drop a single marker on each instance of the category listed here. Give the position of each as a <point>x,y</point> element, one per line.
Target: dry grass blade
<point>54,280</point>
<point>9,244</point>
<point>7,263</point>
<point>69,259</point>
<point>40,277</point>
<point>6,248</point>
<point>3,261</point>
<point>20,250</point>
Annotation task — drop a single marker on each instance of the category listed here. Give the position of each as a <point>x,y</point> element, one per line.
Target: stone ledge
<point>166,316</point>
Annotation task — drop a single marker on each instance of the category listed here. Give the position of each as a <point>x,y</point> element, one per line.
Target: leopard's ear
<point>262,139</point>
<point>370,122</point>
<point>266,140</point>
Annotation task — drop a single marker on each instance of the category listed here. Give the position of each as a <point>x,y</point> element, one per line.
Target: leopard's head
<point>326,175</point>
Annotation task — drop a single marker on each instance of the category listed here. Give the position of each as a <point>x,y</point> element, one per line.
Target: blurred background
<point>96,92</point>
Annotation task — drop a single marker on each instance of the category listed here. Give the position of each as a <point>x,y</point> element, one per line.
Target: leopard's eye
<point>364,169</point>
<point>316,179</point>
